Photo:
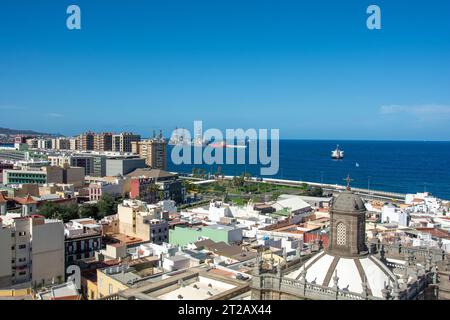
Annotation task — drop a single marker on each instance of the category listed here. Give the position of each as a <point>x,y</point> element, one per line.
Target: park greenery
<point>106,205</point>
<point>240,189</point>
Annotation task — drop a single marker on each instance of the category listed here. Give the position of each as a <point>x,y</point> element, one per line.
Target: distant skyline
<point>313,70</point>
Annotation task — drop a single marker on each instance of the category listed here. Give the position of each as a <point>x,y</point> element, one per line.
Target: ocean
<point>396,166</point>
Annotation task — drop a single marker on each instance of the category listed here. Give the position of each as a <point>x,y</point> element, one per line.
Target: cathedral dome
<point>348,202</point>
<point>322,269</point>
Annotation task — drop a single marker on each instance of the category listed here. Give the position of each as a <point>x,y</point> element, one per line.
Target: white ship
<point>178,138</point>
<point>337,154</point>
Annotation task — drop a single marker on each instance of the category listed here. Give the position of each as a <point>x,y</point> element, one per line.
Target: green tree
<point>160,195</point>
<point>275,196</point>
<point>314,192</point>
<point>89,211</point>
<point>67,212</point>
<point>106,205</point>
<point>238,182</point>
<point>219,188</point>
<point>218,172</point>
<point>48,210</point>
<point>190,187</point>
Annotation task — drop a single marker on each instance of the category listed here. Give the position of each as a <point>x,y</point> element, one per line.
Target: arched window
<point>341,234</point>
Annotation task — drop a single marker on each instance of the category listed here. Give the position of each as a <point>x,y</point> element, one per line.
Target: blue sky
<point>310,68</point>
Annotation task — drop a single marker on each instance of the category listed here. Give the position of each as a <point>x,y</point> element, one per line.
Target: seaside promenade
<point>334,188</point>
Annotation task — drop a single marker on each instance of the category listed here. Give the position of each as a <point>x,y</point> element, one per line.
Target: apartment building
<point>61,144</point>
<point>74,160</point>
<point>32,143</point>
<point>103,141</point>
<point>84,161</point>
<point>143,189</point>
<point>31,249</point>
<point>74,143</point>
<point>86,141</point>
<point>82,238</point>
<point>122,142</point>
<point>170,184</point>
<point>59,161</point>
<point>136,220</point>
<point>45,144</point>
<point>154,151</point>
<point>97,189</point>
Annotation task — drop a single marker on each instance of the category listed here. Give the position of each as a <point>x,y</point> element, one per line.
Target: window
<point>22,246</point>
<point>341,234</point>
<point>110,288</point>
<point>22,233</point>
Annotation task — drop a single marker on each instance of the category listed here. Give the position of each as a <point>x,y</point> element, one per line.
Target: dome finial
<point>348,180</point>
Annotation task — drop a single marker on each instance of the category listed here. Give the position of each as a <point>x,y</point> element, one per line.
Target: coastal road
<point>334,188</point>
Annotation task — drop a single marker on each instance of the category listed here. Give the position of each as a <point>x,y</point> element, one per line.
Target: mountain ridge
<point>9,131</point>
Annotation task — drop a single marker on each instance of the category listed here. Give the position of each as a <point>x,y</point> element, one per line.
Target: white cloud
<point>416,110</point>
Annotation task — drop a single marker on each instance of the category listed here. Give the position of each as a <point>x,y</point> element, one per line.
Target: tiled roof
<point>27,200</point>
<point>2,198</point>
<point>438,233</point>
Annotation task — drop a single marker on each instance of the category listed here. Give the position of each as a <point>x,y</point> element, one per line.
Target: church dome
<point>348,202</point>
<point>351,273</point>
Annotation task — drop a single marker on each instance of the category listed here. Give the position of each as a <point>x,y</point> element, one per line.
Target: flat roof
<point>203,288</point>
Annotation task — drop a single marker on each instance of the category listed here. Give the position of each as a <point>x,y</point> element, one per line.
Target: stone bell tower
<point>347,225</point>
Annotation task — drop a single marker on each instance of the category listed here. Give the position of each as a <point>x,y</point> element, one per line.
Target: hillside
<point>9,131</point>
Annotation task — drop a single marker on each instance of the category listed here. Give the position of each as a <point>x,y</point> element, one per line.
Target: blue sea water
<point>397,166</point>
